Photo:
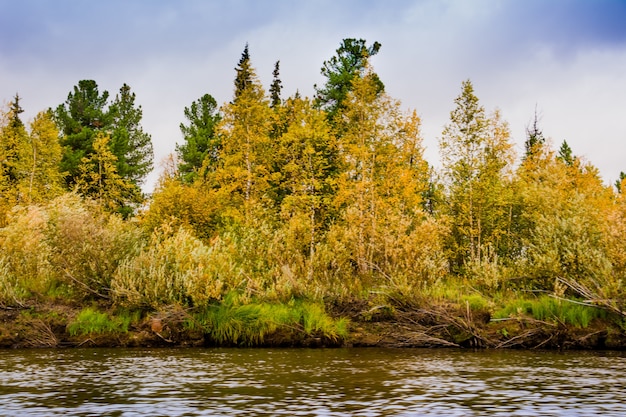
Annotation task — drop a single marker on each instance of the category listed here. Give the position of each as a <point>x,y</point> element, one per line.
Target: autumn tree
<point>13,140</point>
<point>43,157</point>
<point>305,158</point>
<point>12,146</point>
<point>201,142</point>
<point>476,154</point>
<point>380,186</point>
<point>98,178</point>
<point>244,173</point>
<point>564,212</point>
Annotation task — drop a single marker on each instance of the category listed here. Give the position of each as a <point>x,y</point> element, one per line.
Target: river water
<point>310,382</point>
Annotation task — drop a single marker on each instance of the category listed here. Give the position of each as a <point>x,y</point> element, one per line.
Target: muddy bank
<point>48,325</point>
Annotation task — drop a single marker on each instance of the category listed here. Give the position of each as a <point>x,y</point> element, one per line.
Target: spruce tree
<point>201,142</point>
<point>244,73</point>
<point>620,181</point>
<point>129,143</point>
<point>276,87</point>
<point>565,154</point>
<point>534,137</point>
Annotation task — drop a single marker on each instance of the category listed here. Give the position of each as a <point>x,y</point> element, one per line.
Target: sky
<point>564,59</point>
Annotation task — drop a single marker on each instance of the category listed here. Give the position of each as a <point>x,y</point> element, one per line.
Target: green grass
<point>551,309</point>
<point>249,324</point>
<point>90,321</point>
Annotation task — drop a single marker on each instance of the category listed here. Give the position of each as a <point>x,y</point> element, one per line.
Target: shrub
<point>88,244</point>
<point>175,267</point>
<point>24,255</point>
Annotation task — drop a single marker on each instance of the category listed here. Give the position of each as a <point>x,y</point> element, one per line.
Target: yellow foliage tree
<point>244,173</point>
<point>98,178</point>
<point>477,157</point>
<point>379,190</point>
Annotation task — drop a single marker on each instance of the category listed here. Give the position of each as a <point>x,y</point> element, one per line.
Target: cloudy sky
<point>567,58</point>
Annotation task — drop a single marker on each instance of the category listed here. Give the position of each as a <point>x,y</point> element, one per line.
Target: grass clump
<point>231,323</point>
<point>91,321</point>
<point>547,308</point>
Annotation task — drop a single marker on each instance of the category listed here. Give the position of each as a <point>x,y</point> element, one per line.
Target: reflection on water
<point>324,382</point>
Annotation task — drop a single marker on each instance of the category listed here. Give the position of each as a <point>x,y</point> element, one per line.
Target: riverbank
<point>357,323</point>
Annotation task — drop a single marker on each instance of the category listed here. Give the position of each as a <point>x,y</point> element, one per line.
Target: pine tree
<point>129,143</point>
<point>201,142</point>
<point>245,73</point>
<point>565,154</point>
<point>534,137</point>
<point>276,87</point>
<point>79,119</point>
<point>620,181</point>
<point>350,62</point>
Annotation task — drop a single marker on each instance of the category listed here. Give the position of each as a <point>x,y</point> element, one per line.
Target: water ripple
<point>325,382</point>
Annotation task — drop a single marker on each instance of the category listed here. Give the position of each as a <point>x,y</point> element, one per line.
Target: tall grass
<point>90,321</point>
<point>547,308</point>
<point>231,323</point>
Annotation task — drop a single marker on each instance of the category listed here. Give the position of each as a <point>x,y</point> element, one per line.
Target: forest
<point>303,221</point>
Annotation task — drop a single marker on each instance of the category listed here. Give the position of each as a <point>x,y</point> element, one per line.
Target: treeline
<point>325,199</point>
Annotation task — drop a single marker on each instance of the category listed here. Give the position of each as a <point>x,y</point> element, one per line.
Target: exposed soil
<point>46,325</point>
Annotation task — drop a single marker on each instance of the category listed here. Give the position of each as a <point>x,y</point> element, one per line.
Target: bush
<point>174,268</point>
<point>88,244</point>
<point>25,267</point>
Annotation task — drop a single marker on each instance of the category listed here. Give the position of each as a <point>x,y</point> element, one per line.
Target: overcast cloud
<point>567,58</point>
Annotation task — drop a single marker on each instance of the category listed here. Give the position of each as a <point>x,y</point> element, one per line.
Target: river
<point>310,382</point>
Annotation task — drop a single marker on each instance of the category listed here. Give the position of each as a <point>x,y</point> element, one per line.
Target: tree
<point>98,178</point>
<point>475,153</point>
<point>79,119</point>
<point>13,143</point>
<point>620,182</point>
<point>85,114</point>
<point>14,138</point>
<point>349,63</point>
<point>562,227</point>
<point>565,154</point>
<point>201,142</point>
<point>244,173</point>
<point>305,158</point>
<point>534,137</point>
<point>44,154</point>
<point>129,143</point>
<point>245,73</point>
<point>382,179</point>
<point>276,87</point>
